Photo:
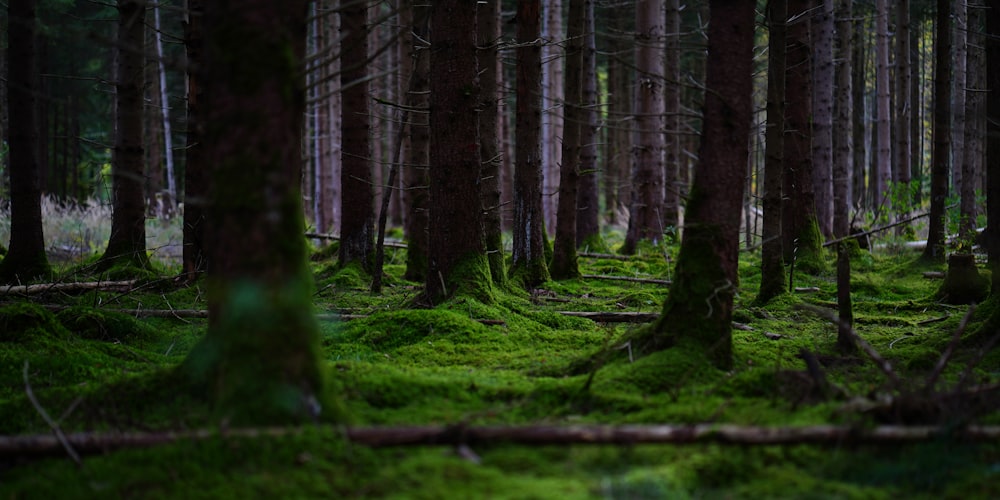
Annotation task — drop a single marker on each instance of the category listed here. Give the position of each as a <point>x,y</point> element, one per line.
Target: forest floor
<point>513,362</point>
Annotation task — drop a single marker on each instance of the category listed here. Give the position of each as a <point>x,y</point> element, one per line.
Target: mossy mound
<point>389,330</point>
<point>96,324</point>
<point>963,284</point>
<point>24,321</point>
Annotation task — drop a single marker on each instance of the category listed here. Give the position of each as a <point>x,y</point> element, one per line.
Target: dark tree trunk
<point>488,17</point>
<point>25,258</point>
<point>859,70</point>
<point>194,259</point>
<point>260,358</point>
<point>822,116</point>
<point>646,210</point>
<point>528,267</point>
<point>903,111</point>
<point>588,231</point>
<point>842,132</point>
<point>127,244</point>
<point>941,151</point>
<point>672,125</point>
<point>564,257</point>
<point>772,271</point>
<point>993,146</point>
<point>802,241</point>
<point>357,222</point>
<point>415,175</point>
<point>458,262</point>
<point>699,307</point>
<point>972,156</point>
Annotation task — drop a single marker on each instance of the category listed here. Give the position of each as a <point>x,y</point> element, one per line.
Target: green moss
<point>96,324</point>
<point>810,257</point>
<point>23,321</point>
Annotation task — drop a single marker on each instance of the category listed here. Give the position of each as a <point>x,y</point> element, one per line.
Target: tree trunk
<point>488,18</point>
<point>25,258</point>
<point>127,245</point>
<point>552,100</point>
<point>903,110</point>
<point>588,230</point>
<point>858,129</point>
<point>415,175</point>
<point>941,152</point>
<point>958,60</point>
<point>170,197</point>
<point>843,119</point>
<point>822,119</point>
<point>260,359</point>
<point>194,258</point>
<point>882,167</point>
<point>975,101</point>
<point>993,146</point>
<point>646,212</point>
<point>772,272</point>
<point>698,309</point>
<point>357,223</point>
<point>458,263</point>
<point>564,258</point>
<point>801,236</point>
<point>528,267</point>
<point>672,117</point>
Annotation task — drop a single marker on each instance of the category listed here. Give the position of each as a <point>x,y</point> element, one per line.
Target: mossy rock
<point>95,324</point>
<point>23,321</point>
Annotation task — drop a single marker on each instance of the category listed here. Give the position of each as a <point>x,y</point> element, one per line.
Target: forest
<point>499,249</point>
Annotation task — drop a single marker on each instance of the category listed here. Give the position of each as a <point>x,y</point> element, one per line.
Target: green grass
<point>100,371</point>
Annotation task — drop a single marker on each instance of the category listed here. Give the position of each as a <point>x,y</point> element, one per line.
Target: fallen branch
<point>613,317</point>
<point>203,313</point>
<point>626,278</point>
<point>92,443</point>
<point>322,236</point>
<point>592,255</point>
<point>113,286</point>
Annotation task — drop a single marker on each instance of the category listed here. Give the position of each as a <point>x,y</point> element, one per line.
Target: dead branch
<point>626,278</point>
<point>112,286</point>
<point>877,358</point>
<point>92,443</point>
<point>613,317</point>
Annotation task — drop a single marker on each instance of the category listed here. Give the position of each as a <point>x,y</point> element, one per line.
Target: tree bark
<point>772,270</point>
<point>958,60</point>
<point>528,267</point>
<point>415,175</point>
<point>588,230</point>
<point>259,360</point>
<point>881,176</point>
<point>843,144</point>
<point>458,264</point>
<point>672,117</point>
<point>357,224</point>
<point>975,100</point>
<point>903,102</point>
<point>552,104</point>
<point>941,151</point>
<point>993,146</point>
<point>822,119</point>
<point>25,259</point>
<point>194,258</point>
<point>127,245</point>
<point>488,19</point>
<point>646,212</point>
<point>699,307</point>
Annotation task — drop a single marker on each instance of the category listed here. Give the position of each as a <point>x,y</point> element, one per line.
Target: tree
<point>672,112</point>
<point>698,309</point>
<point>882,169</point>
<point>903,103</point>
<point>822,118</point>
<point>127,245</point>
<point>357,219</point>
<point>646,213</point>
<point>564,257</point>
<point>993,146</point>
<point>588,231</point>
<point>415,176</point>
<point>975,100</point>
<point>458,263</point>
<point>772,271</point>
<point>194,258</point>
<point>259,360</point>
<point>25,258</point>
<point>941,151</point>
<point>842,130</point>
<point>528,266</point>
<point>488,17</point>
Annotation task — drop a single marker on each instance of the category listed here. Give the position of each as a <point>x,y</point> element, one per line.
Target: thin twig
<point>48,420</point>
<point>948,351</point>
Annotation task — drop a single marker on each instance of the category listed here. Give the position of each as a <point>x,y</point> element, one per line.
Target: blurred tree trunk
<point>843,119</point>
<point>25,258</point>
<point>772,270</point>
<point>903,102</point>
<point>958,60</point>
<point>357,212</point>
<point>588,230</point>
<point>618,131</point>
<point>859,67</point>
<point>993,146</point>
<point>564,257</point>
<point>153,133</point>
<point>195,258</point>
<point>672,120</point>
<point>822,119</point>
<point>699,306</point>
<point>881,175</point>
<point>941,152</point>
<point>127,244</point>
<point>528,266</point>
<point>415,175</point>
<point>260,359</point>
<point>488,17</point>
<point>975,125</point>
<point>458,263</point>
<point>169,198</point>
<point>646,213</point>
<point>552,107</point>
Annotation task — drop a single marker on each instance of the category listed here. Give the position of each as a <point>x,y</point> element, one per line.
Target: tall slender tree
<point>528,266</point>
<point>941,151</point>
<point>458,263</point>
<point>975,123</point>
<point>646,210</point>
<point>672,116</point>
<point>488,19</point>
<point>588,231</point>
<point>842,131</point>
<point>25,258</point>
<point>415,175</point>
<point>194,258</point>
<point>902,91</point>
<point>881,176</point>
<point>822,117</point>
<point>127,244</point>
<point>993,146</point>
<point>698,309</point>
<point>260,357</point>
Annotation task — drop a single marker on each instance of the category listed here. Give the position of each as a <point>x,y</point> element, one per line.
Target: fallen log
<point>111,286</point>
<point>93,443</point>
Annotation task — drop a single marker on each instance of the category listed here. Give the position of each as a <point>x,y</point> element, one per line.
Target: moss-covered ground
<point>514,361</point>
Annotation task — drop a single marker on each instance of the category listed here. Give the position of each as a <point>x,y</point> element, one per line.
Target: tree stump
<point>962,283</point>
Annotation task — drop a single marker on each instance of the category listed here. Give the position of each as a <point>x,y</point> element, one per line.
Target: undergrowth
<point>516,360</point>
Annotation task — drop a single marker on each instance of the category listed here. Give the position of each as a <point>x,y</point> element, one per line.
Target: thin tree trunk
<point>672,112</point>
<point>993,145</point>
<point>588,230</point>
<point>941,152</point>
<point>860,118</point>
<point>488,39</point>
<point>416,173</point>
<point>552,103</point>
<point>195,258</point>
<point>958,60</point>
<point>822,118</point>
<point>168,143</point>
<point>882,168</point>
<point>903,107</point>
<point>843,119</point>
<point>975,101</point>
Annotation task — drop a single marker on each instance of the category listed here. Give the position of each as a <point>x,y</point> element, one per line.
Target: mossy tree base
<point>962,283</point>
